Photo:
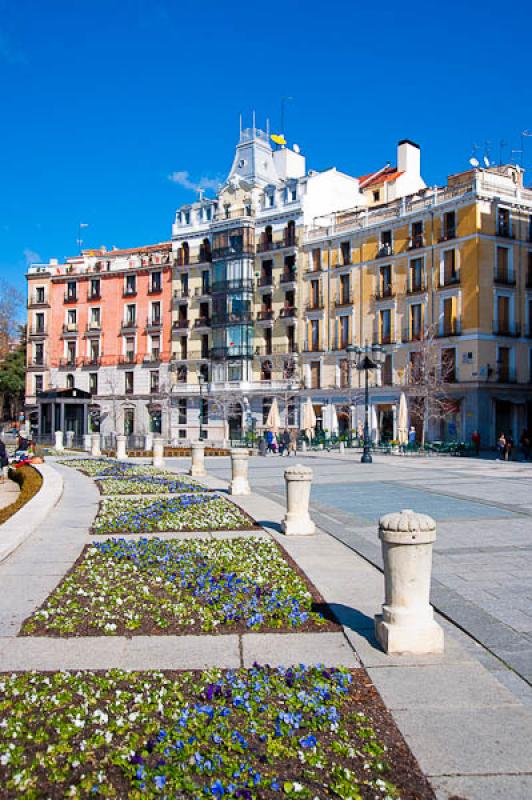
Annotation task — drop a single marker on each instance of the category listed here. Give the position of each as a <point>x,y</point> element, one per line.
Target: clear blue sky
<point>102,100</point>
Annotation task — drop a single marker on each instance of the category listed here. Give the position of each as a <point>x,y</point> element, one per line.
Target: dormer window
<point>270,199</point>
<point>187,217</point>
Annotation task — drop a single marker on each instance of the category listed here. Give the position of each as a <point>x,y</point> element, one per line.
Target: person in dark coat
<point>4,460</point>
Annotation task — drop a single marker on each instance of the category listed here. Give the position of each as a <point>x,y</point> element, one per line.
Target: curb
<point>22,524</point>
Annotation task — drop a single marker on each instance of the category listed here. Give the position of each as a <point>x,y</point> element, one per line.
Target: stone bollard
<point>197,467</point>
<point>303,446</point>
<point>239,472</point>
<point>87,442</point>
<point>69,440</point>
<point>297,521</point>
<point>59,441</point>
<point>148,442</point>
<point>158,452</point>
<point>96,449</point>
<point>342,447</point>
<point>121,441</point>
<point>407,623</point>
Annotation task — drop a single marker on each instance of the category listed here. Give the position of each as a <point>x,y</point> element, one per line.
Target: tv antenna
<point>474,162</point>
<point>502,145</point>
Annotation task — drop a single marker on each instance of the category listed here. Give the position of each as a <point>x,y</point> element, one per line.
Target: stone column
<point>158,452</point>
<point>197,466</point>
<point>121,441</point>
<point>59,441</point>
<point>239,472</point>
<point>87,438</point>
<point>297,521</point>
<point>95,445</point>
<point>148,442</point>
<point>69,439</point>
<point>407,624</point>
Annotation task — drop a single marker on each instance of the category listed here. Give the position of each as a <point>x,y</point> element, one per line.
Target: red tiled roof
<point>378,177</point>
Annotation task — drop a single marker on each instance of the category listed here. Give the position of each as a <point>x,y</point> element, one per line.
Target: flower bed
<point>292,733</point>
<point>30,481</point>
<point>148,484</point>
<point>188,512</point>
<point>110,467</point>
<point>155,586</point>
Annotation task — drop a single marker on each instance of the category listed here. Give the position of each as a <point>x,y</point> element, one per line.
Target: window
<point>376,196</point>
<point>93,382</point>
<point>416,275</point>
<point>450,274</point>
<point>69,381</point>
<point>155,420</point>
<point>502,270</point>
<point>344,373</point>
<point>343,332</point>
<point>131,285</point>
<point>448,365</point>
<point>38,358</point>
<point>155,347</point>
<point>270,199</point>
<point>95,318</point>
<point>156,282</point>
<point>416,320</point>
<point>130,348</point>
<point>449,326</point>
<point>503,315</point>
<point>387,370</point>
<point>71,353</point>
<point>154,381</point>
<point>315,375</point>
<point>385,281</point>
<point>94,351</point>
<point>94,289</point>
<point>316,259</point>
<point>449,225</point>
<point>503,222</point>
<point>39,295</point>
<point>529,271</point>
<point>417,235</point>
<point>131,315</point>
<point>156,313</point>
<point>314,335</point>
<point>529,318</point>
<point>129,421</point>
<point>38,383</point>
<point>182,411</point>
<point>315,294</point>
<point>503,364</point>
<point>386,248</point>
<point>39,323</point>
<point>181,374</point>
<point>385,325</point>
<point>71,319</point>
<point>345,250</point>
<point>71,292</point>
<point>128,381</point>
<point>205,281</point>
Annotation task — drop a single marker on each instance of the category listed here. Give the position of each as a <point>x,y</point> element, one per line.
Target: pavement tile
<point>484,787</point>
<point>275,649</point>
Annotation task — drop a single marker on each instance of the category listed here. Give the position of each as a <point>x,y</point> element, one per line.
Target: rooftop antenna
<point>474,162</point>
<point>487,162</point>
<point>240,125</point>
<point>268,128</point>
<point>254,122</point>
<point>502,145</point>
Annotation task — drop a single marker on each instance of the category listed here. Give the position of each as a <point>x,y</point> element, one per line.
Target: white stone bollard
<point>158,452</point>
<point>297,521</point>
<point>69,440</point>
<point>148,442</point>
<point>96,449</point>
<point>342,447</point>
<point>239,472</point>
<point>197,466</point>
<point>59,441</point>
<point>121,441</point>
<point>407,623</point>
<point>303,446</point>
<point>87,442</point>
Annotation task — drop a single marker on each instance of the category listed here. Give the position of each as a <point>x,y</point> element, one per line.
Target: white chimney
<point>409,157</point>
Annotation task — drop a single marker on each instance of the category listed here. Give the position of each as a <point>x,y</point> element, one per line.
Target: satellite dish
<point>296,148</point>
<point>474,162</point>
<point>486,161</point>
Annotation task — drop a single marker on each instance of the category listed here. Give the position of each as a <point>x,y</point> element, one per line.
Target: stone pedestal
<point>121,442</point>
<point>303,446</point>
<point>158,452</point>
<point>197,466</point>
<point>297,521</point>
<point>95,445</point>
<point>59,441</point>
<point>148,442</point>
<point>87,439</point>
<point>342,447</point>
<point>407,624</point>
<point>239,473</point>
<point>70,440</point>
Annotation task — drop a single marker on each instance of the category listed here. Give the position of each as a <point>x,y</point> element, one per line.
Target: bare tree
<point>428,376</point>
<point>226,404</point>
<point>11,305</point>
<point>290,384</point>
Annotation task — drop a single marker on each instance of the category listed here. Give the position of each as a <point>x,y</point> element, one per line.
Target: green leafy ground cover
<point>306,733</point>
<point>110,467</point>
<point>156,586</point>
<point>187,512</point>
<point>148,484</point>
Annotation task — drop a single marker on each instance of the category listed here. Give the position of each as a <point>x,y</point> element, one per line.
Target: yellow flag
<point>278,138</point>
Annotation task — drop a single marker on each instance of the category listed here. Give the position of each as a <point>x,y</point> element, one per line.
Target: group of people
<point>278,444</point>
<point>506,445</point>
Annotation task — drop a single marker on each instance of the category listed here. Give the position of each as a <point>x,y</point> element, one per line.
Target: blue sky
<point>102,100</point>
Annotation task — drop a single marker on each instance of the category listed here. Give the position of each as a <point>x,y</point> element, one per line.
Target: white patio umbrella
<point>273,420</point>
<point>308,418</point>
<point>402,423</point>
<point>332,420</point>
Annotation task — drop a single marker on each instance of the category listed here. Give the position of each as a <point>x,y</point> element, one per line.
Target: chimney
<point>409,157</point>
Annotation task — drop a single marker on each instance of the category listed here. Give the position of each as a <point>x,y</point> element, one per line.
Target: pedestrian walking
<point>285,442</point>
<point>412,437</point>
<point>509,446</point>
<point>263,447</point>
<point>475,439</point>
<point>292,446</point>
<point>501,447</point>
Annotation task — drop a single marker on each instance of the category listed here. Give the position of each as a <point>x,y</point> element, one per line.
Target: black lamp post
<point>201,381</point>
<point>365,358</point>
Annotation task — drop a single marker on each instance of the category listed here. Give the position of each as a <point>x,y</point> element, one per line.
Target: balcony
<point>234,318</point>
<point>506,375</point>
<point>288,277</point>
<point>38,330</point>
<point>265,281</point>
<point>453,328</point>
<point>70,329</point>
<point>93,329</point>
<point>416,287</point>
<point>152,358</point>
<point>71,297</point>
<point>343,299</point>
<point>182,260</point>
<point>412,335</point>
<point>180,325</point>
<point>315,305</point>
<point>503,279</point>
<point>385,250</point>
<point>130,359</point>
<point>37,302</point>
<point>68,363</point>
<point>203,291</point>
<point>288,312</point>
<point>237,351</point>
<point>91,361</point>
<point>240,285</point>
<point>36,363</point>
<point>202,322</point>
<point>449,280</point>
<point>128,325</point>
<point>507,329</point>
<point>94,295</point>
<point>181,295</point>
<point>385,338</point>
<point>276,349</point>
<point>154,323</point>
<point>504,232</point>
<point>313,347</point>
<point>448,235</point>
<point>265,315</point>
<point>155,289</point>
<point>129,293</point>
<point>416,242</point>
<point>247,251</point>
<point>282,244</point>
<point>384,292</point>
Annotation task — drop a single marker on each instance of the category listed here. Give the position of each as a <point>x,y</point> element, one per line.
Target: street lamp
<point>365,358</point>
<point>201,381</point>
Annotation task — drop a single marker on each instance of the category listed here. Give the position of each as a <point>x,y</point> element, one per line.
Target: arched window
<point>69,381</point>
